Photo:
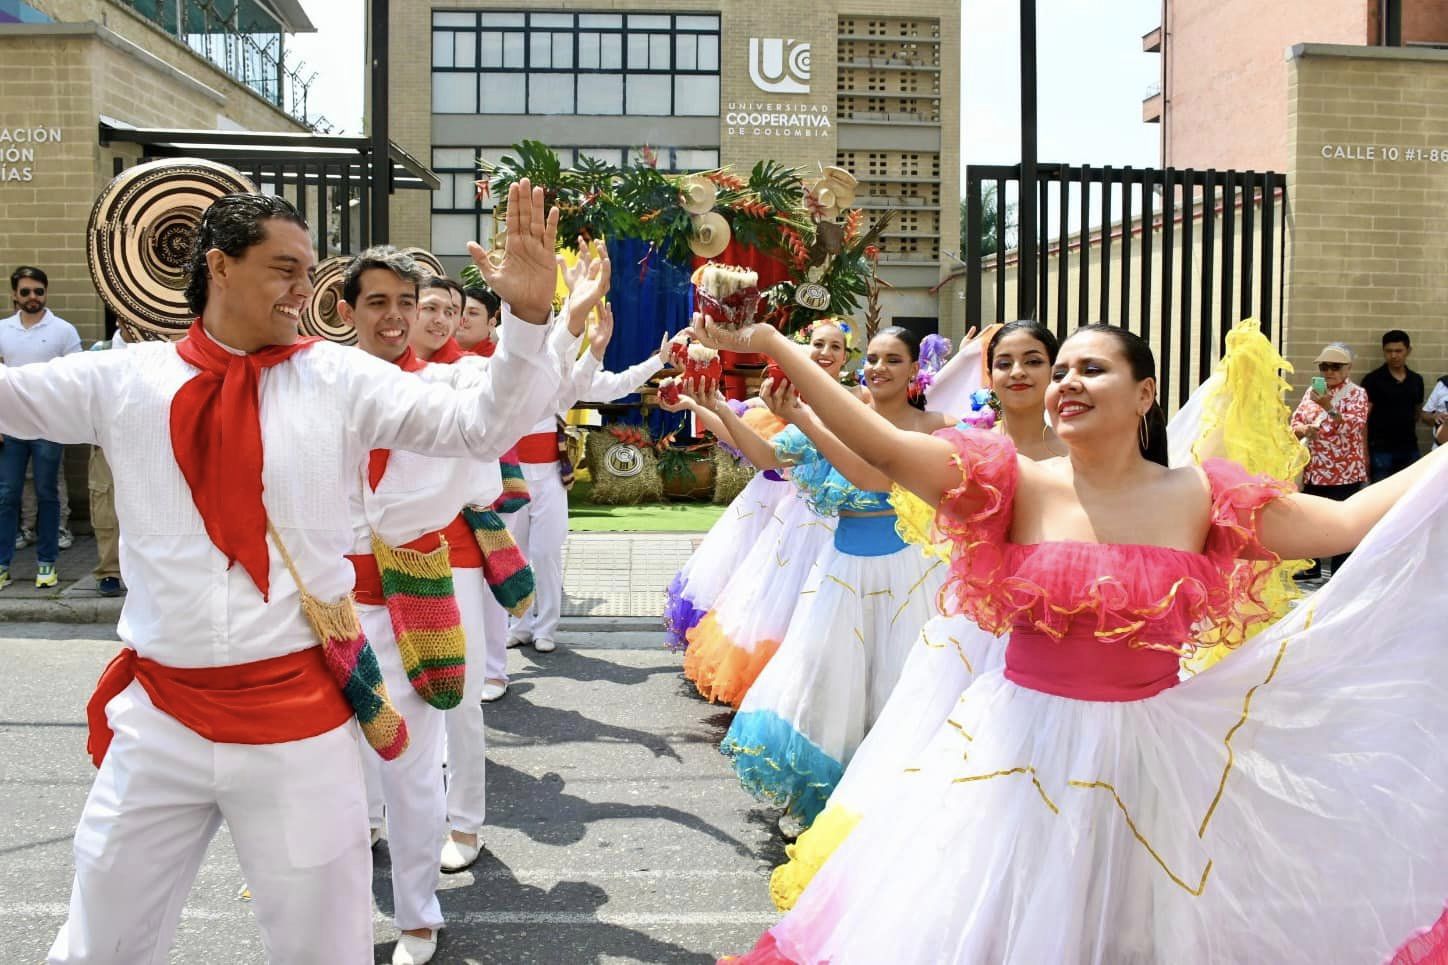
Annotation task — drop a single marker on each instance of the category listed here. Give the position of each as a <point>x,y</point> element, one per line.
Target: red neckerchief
<point>449,353</point>
<point>486,349</point>
<point>216,437</point>
<point>377,458</point>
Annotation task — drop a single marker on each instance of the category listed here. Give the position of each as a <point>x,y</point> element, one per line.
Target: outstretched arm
<point>755,447</point>
<point>920,463</point>
<point>784,403</point>
<point>707,420</point>
<point>1299,527</point>
<point>62,400</point>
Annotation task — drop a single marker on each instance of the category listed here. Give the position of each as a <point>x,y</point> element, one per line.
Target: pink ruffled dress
<point>1082,804</point>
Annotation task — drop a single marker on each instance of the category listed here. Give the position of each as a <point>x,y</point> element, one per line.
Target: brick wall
<point>1367,250</point>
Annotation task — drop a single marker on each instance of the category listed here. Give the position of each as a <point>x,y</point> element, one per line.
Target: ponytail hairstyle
<point>1151,432</point>
<point>915,394</point>
<point>1031,327</point>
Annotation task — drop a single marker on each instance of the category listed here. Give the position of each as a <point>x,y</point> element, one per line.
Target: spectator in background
<point>1334,424</point>
<point>33,334</point>
<point>103,508</point>
<point>478,330</point>
<point>1396,393</point>
<point>1435,410</point>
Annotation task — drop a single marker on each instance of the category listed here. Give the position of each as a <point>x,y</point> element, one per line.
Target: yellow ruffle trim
<point>1246,419</point>
<point>915,522</point>
<point>809,854</point>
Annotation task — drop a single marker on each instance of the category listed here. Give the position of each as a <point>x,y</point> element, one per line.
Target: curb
<point>62,610</point>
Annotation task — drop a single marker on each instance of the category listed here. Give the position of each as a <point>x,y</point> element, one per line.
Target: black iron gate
<point>1198,251</point>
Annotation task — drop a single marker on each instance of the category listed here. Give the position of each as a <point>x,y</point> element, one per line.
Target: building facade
<point>1223,95</point>
<point>871,87</point>
<point>69,64</point>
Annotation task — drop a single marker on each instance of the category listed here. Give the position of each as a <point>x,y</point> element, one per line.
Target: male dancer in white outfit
<point>485,622</point>
<point>541,528</point>
<point>262,413</point>
<point>413,501</point>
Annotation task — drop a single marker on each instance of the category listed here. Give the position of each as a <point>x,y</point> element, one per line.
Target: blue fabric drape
<point>651,296</point>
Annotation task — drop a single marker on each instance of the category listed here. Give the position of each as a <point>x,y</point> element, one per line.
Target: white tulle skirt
<point>739,635</point>
<point>1290,805</point>
<point>801,722</point>
<point>699,582</point>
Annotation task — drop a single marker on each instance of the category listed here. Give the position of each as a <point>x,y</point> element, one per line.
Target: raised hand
<point>782,400</point>
<point>523,275</point>
<point>745,338</point>
<point>589,286</point>
<point>602,332</point>
<point>573,273</point>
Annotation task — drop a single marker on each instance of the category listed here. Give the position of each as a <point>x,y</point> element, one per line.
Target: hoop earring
<point>1141,434</point>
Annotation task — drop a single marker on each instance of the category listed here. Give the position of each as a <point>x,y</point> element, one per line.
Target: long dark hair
<point>1143,366</point>
<point>1032,328</point>
<point>911,341</point>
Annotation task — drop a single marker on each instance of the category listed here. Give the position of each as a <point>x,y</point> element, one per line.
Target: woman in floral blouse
<point>1334,425</point>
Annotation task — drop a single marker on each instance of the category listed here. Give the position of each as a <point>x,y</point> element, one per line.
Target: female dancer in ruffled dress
<point>951,649</point>
<point>697,585</point>
<point>870,594</point>
<point>1082,805</point>
<point>739,634</point>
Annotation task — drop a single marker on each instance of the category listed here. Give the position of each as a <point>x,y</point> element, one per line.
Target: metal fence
<point>1177,256</point>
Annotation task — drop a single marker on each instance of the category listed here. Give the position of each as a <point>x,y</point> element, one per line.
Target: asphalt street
<point>617,832</point>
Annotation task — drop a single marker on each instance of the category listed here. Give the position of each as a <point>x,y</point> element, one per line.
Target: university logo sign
<point>779,66</point>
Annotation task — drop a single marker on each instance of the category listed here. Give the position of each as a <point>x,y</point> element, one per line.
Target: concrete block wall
<point>1367,245</point>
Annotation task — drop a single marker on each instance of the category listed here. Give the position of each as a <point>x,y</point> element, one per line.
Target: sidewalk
<point>612,581</point>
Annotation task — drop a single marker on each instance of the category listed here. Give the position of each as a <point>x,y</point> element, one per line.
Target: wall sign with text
<point>1384,152</point>
<point>17,151</point>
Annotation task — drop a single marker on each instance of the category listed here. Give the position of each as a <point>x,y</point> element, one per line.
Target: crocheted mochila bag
<point>418,590</point>
<point>505,568</point>
<point>352,663</point>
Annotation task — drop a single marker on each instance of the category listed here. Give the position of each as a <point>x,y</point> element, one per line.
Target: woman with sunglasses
<point>1332,419</point>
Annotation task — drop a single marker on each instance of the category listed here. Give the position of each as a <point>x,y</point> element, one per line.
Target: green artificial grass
<point>667,517</point>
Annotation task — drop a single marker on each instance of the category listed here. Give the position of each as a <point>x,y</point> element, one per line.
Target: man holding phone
<point>1332,419</point>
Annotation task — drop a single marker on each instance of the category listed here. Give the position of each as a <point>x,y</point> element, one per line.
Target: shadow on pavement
<point>575,665</point>
<point>540,808</point>
<point>538,724</point>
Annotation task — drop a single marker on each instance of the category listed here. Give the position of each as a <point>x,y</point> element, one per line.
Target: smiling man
<point>439,310</point>
<point>230,453</point>
<point>413,502</point>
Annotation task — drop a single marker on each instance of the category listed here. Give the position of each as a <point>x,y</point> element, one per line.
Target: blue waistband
<point>868,536</point>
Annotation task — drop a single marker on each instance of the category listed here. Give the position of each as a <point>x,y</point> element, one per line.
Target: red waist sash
<point>270,701</point>
<point>463,553</point>
<point>1081,667</point>
<point>538,447</point>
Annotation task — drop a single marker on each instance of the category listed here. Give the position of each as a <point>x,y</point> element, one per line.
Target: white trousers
<point>486,624</point>
<point>541,529</point>
<point>297,817</point>
<point>410,786</point>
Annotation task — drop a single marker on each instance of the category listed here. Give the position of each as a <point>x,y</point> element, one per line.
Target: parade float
<point>776,245</point>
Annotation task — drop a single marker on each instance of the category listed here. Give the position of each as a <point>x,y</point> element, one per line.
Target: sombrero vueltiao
<point>138,241</point>
<point>319,314</point>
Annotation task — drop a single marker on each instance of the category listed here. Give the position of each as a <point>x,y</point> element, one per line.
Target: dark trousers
<point>1385,462</point>
<point>1338,494</point>
<point>46,458</point>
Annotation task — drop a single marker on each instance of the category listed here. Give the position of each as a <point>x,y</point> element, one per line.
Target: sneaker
<point>544,645</point>
<point>65,541</point>
<point>109,586</point>
<point>45,576</point>
<point>24,538</point>
<point>5,577</point>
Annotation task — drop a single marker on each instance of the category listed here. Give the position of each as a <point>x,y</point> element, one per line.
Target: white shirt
<point>321,411</point>
<point>588,384</point>
<point>1437,401</point>
<point>49,338</point>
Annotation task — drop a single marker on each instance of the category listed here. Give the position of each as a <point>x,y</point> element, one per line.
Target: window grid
<point>560,63</point>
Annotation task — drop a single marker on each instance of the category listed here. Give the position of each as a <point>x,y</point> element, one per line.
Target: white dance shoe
<point>412,950</point>
<point>457,855</point>
<point>493,689</point>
